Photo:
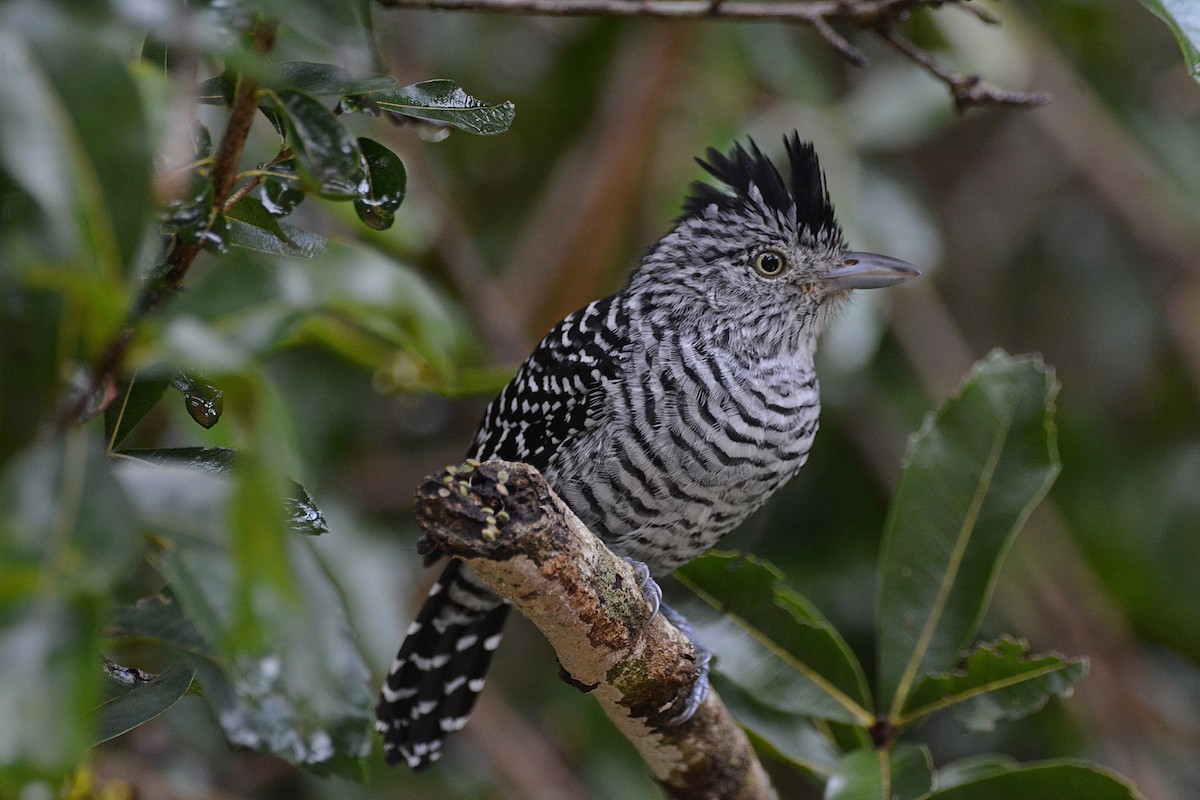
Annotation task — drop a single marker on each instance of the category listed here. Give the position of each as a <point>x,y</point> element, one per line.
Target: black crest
<point>743,168</point>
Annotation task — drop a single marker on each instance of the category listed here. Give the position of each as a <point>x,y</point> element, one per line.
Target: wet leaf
<point>260,619</point>
<point>827,680</point>
<point>251,211</point>
<point>903,773</point>
<point>293,242</point>
<point>281,193</point>
<point>974,472</point>
<point>386,180</point>
<point>328,157</point>
<point>445,101</point>
<point>303,514</point>
<point>997,681</point>
<point>966,770</point>
<point>204,402</point>
<point>1045,779</point>
<point>323,80</point>
<point>143,702</point>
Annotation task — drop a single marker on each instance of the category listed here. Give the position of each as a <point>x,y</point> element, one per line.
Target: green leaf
<point>144,702</point>
<point>998,681</point>
<point>303,514</point>
<point>292,241</point>
<point>323,80</point>
<point>387,181</point>
<point>904,773</point>
<point>135,401</point>
<point>776,734</point>
<point>973,768</point>
<point>1183,18</point>
<point>328,157</point>
<point>251,211</point>
<point>974,472</point>
<point>68,536</point>
<point>1046,780</point>
<point>266,630</point>
<point>828,681</point>
<point>111,149</point>
<point>445,101</point>
<point>280,192</point>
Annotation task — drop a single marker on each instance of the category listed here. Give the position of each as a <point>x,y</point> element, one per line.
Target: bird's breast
<point>698,438</point>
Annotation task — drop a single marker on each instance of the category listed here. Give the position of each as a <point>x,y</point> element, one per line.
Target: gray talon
<point>699,690</point>
<point>651,591</point>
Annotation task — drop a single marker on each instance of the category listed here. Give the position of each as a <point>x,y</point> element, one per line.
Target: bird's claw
<point>695,696</point>
<point>651,591</point>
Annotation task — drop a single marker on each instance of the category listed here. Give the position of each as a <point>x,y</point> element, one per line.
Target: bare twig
<point>864,13</point>
<point>587,602</point>
<point>967,90</point>
<point>876,15</point>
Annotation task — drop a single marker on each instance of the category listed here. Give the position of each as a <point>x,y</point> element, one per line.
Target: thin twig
<point>967,90</point>
<point>877,15</point>
<point>864,13</point>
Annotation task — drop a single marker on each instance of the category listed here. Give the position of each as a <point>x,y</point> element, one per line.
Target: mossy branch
<point>506,523</point>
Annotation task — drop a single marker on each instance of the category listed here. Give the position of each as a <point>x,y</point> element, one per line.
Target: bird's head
<point>761,259</point>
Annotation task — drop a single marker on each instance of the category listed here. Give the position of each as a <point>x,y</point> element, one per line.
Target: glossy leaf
<point>775,734</point>
<point>445,101</point>
<point>251,211</point>
<point>973,768</point>
<point>288,677</point>
<point>293,241</point>
<point>143,702</point>
<point>1048,780</point>
<point>973,473</point>
<point>323,80</point>
<point>279,192</point>
<point>828,681</point>
<point>387,182</point>
<point>997,681</point>
<point>204,401</point>
<point>303,514</point>
<point>903,773</point>
<point>328,157</point>
<point>1183,18</point>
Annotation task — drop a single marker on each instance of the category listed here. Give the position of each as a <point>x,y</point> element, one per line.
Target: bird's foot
<point>690,704</point>
<point>651,591</point>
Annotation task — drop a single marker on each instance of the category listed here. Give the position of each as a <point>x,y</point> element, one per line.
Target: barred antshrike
<point>662,415</point>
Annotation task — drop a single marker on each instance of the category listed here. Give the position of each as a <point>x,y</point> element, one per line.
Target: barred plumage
<point>663,415</point>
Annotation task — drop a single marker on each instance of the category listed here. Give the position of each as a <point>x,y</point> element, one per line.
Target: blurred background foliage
<point>1071,230</point>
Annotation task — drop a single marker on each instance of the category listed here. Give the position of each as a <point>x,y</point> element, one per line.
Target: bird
<point>662,415</point>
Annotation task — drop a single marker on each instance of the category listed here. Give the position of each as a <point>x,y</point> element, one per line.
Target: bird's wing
<point>560,392</point>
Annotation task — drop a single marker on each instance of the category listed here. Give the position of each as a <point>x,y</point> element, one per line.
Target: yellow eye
<point>770,263</point>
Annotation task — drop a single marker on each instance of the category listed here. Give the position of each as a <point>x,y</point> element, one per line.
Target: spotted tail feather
<point>439,671</point>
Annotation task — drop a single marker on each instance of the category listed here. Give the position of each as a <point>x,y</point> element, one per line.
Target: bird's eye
<point>770,263</point>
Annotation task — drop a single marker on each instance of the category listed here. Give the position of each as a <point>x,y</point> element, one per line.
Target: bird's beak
<point>866,271</point>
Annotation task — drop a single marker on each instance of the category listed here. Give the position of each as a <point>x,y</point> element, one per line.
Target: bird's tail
<point>438,673</point>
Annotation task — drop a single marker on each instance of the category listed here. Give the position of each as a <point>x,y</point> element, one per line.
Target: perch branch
<point>874,15</point>
<point>586,601</point>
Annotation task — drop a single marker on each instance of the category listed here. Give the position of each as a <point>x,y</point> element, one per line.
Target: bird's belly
<point>665,496</point>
